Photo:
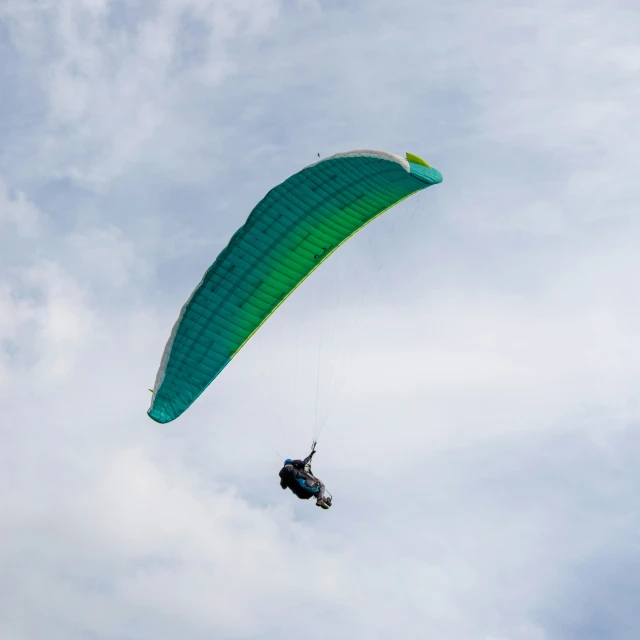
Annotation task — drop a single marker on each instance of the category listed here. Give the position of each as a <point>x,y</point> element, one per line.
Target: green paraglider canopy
<point>296,226</point>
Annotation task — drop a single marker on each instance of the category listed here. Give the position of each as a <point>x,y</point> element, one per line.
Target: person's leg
<point>321,500</point>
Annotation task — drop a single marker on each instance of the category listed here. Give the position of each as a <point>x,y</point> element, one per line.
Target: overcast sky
<point>481,440</point>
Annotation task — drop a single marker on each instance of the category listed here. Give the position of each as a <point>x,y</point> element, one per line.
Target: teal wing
<point>291,231</point>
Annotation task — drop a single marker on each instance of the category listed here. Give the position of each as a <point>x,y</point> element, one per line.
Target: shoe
<point>323,503</point>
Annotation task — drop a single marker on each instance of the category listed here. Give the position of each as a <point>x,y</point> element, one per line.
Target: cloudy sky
<point>472,358</point>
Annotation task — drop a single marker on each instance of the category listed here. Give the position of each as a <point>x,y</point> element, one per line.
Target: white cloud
<point>480,448</point>
<point>105,254</point>
<point>141,540</point>
<point>111,91</point>
<point>47,320</point>
<point>19,211</point>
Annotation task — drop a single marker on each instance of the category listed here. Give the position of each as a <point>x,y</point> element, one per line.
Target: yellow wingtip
<point>416,159</point>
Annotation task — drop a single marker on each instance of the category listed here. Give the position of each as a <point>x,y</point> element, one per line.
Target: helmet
<point>288,461</point>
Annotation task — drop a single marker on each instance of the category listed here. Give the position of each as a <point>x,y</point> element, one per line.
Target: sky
<point>472,357</point>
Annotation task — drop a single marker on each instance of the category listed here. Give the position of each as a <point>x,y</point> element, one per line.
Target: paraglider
<point>288,235</point>
<point>296,476</point>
